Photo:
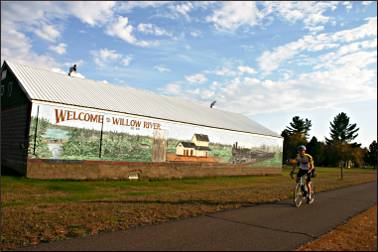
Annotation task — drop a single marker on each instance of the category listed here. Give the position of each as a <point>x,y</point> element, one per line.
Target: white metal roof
<point>44,85</point>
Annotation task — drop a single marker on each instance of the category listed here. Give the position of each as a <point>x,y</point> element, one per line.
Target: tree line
<point>337,150</point>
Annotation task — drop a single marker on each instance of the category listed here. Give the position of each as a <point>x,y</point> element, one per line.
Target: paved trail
<point>276,226</point>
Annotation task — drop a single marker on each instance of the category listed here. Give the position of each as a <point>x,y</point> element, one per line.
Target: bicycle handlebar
<point>295,173</point>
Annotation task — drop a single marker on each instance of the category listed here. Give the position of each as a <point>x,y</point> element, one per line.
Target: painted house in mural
<point>198,147</point>
<point>47,115</point>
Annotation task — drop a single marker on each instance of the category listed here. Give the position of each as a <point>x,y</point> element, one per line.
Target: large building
<point>57,126</point>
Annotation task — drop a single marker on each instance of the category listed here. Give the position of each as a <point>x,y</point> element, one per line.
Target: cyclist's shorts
<point>303,173</point>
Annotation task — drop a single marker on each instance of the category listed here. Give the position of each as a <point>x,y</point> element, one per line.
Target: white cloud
<point>311,13</point>
<point>316,29</point>
<point>19,12</point>
<point>286,75</point>
<point>162,69</point>
<point>196,78</point>
<point>365,30</point>
<point>126,61</point>
<point>59,49</point>
<point>181,9</point>
<point>48,32</point>
<point>123,30</point>
<point>195,33</point>
<point>17,47</point>
<point>348,5</point>
<point>92,12</point>
<point>78,63</point>
<point>308,90</point>
<point>271,60</point>
<point>152,29</point>
<point>41,18</point>
<point>172,89</point>
<point>233,14</point>
<point>331,59</point>
<point>104,56</point>
<point>251,81</point>
<point>130,5</point>
<point>224,71</point>
<point>343,69</point>
<point>246,69</point>
<point>367,2</point>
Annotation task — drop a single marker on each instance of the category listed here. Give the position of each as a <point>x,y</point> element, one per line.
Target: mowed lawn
<point>35,211</point>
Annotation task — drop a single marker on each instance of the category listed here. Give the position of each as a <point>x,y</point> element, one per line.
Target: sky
<point>269,61</point>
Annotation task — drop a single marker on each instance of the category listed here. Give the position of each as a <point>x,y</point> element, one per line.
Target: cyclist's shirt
<point>304,161</point>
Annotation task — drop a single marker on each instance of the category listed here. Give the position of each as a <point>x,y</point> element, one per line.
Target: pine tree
<point>299,126</point>
<point>317,150</point>
<point>341,130</point>
<point>371,155</point>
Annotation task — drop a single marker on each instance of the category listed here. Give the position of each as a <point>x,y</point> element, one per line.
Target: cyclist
<point>306,166</point>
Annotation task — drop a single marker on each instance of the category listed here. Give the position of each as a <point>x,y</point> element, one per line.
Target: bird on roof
<point>72,69</point>
<point>212,104</point>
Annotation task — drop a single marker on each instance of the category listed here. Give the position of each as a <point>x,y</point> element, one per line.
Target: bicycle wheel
<point>298,196</point>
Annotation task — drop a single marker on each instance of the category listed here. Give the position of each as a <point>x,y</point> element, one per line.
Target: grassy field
<point>35,211</point>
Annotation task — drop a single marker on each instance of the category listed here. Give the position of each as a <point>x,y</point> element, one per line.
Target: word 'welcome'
<point>68,115</point>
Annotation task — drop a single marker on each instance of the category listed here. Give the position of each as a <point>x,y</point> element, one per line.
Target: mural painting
<point>71,133</point>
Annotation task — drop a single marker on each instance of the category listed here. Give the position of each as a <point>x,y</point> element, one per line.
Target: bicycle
<point>301,191</point>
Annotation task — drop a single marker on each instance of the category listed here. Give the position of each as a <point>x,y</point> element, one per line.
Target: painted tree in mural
<point>222,152</point>
<point>37,146</point>
<point>126,147</point>
<point>82,144</point>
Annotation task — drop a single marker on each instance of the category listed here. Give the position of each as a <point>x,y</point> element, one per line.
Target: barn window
<point>10,87</point>
<point>3,75</point>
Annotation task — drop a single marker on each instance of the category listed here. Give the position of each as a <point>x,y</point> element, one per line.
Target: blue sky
<point>267,60</point>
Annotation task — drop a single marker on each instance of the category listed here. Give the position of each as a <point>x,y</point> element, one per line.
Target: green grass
<point>36,210</point>
<point>24,191</point>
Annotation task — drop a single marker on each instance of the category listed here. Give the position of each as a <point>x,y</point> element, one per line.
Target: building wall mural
<point>73,133</point>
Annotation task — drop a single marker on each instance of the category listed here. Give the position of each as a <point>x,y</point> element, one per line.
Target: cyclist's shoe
<point>304,192</point>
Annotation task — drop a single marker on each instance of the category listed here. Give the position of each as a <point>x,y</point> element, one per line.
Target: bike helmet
<point>301,147</point>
